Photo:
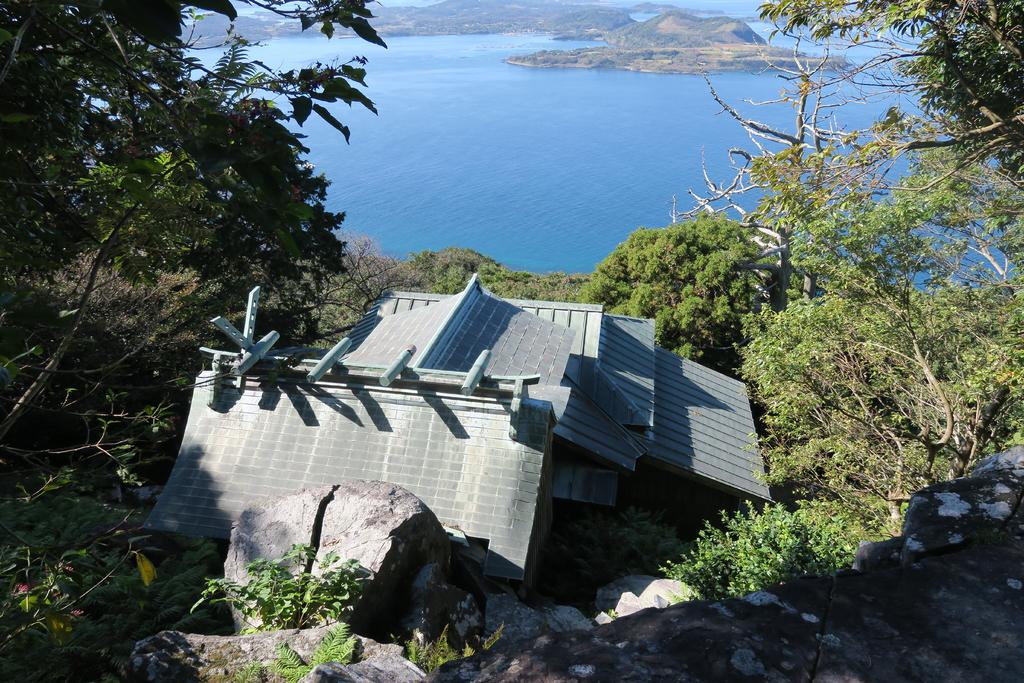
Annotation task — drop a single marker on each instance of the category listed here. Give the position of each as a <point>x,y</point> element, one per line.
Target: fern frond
<point>339,645</point>
<point>289,664</point>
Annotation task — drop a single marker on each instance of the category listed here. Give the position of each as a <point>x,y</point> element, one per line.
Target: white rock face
<point>997,510</point>
<point>952,505</point>
<point>638,591</point>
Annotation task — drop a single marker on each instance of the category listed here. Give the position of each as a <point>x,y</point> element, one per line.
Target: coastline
<point>690,61</point>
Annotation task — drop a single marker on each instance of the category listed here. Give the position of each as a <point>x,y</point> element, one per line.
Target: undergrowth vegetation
<point>81,588</point>
<point>431,656</point>
<point>753,550</point>
<point>338,646</point>
<point>296,591</point>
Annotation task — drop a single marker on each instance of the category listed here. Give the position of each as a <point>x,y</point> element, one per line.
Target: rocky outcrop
<point>560,618</point>
<point>520,623</point>
<point>389,669</point>
<point>630,594</point>
<point>942,603</point>
<point>388,530</point>
<point>436,604</point>
<point>175,657</point>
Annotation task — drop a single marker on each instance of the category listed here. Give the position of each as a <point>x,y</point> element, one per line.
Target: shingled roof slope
<point>703,425</point>
<point>701,420</point>
<point>581,422</point>
<point>583,319</point>
<point>521,343</point>
<point>627,356</point>
<point>393,334</point>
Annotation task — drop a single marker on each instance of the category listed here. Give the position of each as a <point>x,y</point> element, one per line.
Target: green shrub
<point>283,594</point>
<point>601,546</point>
<point>754,550</point>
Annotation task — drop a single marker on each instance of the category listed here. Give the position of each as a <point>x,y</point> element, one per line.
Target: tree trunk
<point>779,292</point>
<point>810,289</point>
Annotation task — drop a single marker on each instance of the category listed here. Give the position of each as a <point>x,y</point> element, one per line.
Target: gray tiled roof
<point>701,420</point>
<point>452,451</point>
<point>583,319</point>
<point>521,342</point>
<point>390,303</point>
<point>627,357</point>
<point>450,334</point>
<point>393,333</point>
<point>698,420</point>
<point>703,425</point>
<point>580,422</point>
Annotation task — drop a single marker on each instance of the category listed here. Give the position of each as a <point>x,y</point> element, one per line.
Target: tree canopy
<point>131,159</point>
<point>905,371</point>
<point>144,186</point>
<point>689,277</point>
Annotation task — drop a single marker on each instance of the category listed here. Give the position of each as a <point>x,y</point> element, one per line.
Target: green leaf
<point>300,210</point>
<point>5,36</point>
<point>158,21</point>
<point>329,118</point>
<point>354,73</point>
<point>363,29</point>
<point>16,118</point>
<point>145,166</point>
<point>219,6</point>
<point>339,88</point>
<point>302,106</point>
<point>288,242</point>
<point>59,626</point>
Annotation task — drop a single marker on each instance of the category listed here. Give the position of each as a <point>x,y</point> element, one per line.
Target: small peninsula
<point>672,42</point>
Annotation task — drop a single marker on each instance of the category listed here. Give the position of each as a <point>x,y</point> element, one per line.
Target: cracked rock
<point>387,529</point>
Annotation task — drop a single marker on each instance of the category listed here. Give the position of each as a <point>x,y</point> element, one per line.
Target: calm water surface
<point>543,169</point>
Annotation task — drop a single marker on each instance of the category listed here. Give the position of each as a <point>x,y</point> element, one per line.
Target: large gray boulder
<point>951,515</point>
<point>954,617</point>
<point>390,669</point>
<point>175,657</point>
<point>608,595</point>
<point>387,529</point>
<point>518,621</point>
<point>435,604</point>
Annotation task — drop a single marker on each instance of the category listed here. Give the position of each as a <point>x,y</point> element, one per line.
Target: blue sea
<point>542,169</point>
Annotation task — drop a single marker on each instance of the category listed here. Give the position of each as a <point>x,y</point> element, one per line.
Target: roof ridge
<point>629,317</point>
<point>470,294</point>
<point>570,305</point>
<point>631,405</point>
<point>409,294</point>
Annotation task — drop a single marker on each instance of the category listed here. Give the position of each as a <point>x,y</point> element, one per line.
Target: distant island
<point>672,41</point>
